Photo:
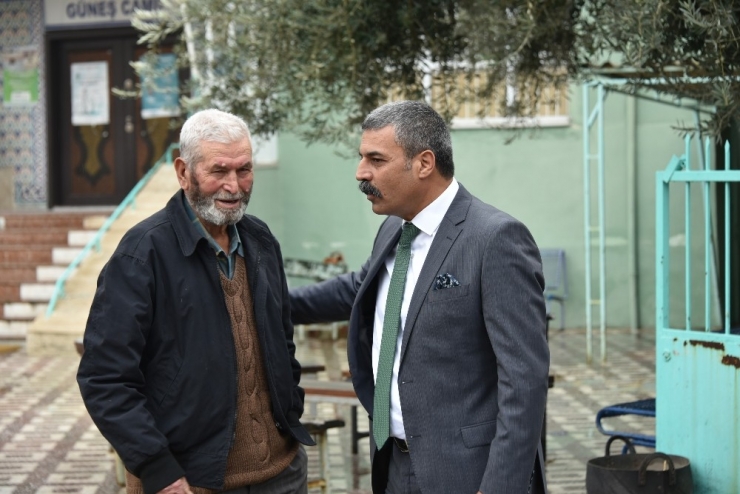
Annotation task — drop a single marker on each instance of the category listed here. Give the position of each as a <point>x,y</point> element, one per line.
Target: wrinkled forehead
<point>219,152</point>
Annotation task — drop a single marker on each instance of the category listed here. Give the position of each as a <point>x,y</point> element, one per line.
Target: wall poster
<point>20,76</point>
<point>90,93</point>
<point>160,92</point>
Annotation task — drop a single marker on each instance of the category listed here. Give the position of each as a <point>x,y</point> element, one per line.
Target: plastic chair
<point>556,286</point>
<point>645,408</point>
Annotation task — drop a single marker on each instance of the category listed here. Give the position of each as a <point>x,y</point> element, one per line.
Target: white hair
<point>209,126</point>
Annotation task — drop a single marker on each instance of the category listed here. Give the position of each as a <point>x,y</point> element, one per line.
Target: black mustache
<point>367,188</point>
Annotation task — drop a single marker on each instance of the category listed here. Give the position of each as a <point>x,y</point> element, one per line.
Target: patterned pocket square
<point>445,280</point>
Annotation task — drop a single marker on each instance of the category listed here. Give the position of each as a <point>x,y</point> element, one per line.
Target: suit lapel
<point>449,230</point>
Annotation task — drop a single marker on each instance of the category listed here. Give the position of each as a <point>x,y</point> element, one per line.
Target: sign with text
<point>20,76</point>
<point>92,13</point>
<point>90,93</point>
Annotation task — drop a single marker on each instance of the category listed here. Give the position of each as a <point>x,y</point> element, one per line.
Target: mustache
<point>368,189</point>
<point>225,196</point>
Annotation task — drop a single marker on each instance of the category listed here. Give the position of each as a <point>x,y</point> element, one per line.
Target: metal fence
<point>698,350</point>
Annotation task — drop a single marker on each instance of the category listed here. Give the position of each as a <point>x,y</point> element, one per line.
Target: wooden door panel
<point>99,164</point>
<point>152,141</point>
<point>91,166</point>
<point>94,163</point>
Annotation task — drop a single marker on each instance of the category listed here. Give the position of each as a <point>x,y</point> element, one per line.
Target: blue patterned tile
<point>23,129</point>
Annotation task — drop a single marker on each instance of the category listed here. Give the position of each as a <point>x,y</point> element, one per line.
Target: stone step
<point>21,311</point>
<point>49,274</point>
<point>94,222</point>
<point>43,220</point>
<point>63,256</point>
<point>35,249</point>
<point>36,292</point>
<point>55,335</point>
<point>80,238</point>
<point>13,330</point>
<point>53,236</point>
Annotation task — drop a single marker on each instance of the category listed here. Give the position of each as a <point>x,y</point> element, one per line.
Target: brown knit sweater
<point>259,451</point>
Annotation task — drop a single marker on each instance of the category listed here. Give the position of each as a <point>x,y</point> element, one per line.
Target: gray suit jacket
<point>474,357</point>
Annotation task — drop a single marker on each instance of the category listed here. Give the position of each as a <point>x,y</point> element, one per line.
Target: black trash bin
<point>638,473</point>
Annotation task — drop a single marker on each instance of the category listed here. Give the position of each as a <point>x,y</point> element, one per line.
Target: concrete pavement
<point>49,445</point>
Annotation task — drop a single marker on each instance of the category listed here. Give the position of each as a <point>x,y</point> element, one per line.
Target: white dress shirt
<point>428,221</point>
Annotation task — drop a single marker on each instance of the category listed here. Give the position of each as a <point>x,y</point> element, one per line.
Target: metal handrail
<point>95,241</point>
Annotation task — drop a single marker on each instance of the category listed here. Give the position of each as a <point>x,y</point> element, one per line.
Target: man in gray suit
<point>455,384</point>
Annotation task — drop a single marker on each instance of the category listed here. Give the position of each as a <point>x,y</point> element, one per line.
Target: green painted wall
<point>313,206</point>
<point>265,201</point>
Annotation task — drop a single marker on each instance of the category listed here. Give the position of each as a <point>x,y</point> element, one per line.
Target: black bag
<point>638,473</point>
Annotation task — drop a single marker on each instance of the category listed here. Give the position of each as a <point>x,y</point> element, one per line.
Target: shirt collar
<point>235,243</point>
<point>429,218</point>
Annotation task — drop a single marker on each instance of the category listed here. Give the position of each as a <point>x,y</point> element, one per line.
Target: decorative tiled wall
<point>23,129</point>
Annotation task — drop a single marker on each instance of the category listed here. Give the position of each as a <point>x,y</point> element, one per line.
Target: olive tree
<point>317,67</point>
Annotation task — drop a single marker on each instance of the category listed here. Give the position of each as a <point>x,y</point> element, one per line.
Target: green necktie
<point>391,323</point>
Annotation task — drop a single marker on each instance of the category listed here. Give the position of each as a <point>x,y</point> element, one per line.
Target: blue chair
<point>556,286</point>
<point>645,408</point>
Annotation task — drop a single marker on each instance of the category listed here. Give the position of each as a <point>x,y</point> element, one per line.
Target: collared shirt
<point>428,221</point>
<point>226,262</point>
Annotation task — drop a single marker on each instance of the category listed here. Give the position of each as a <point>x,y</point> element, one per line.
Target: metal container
<point>638,473</point>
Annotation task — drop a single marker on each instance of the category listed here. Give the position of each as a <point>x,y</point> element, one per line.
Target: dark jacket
<point>158,374</point>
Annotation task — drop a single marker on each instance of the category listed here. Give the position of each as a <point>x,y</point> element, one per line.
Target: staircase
<point>56,334</point>
<point>35,248</point>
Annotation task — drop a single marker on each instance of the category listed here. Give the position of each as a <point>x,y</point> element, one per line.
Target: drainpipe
<point>632,244</point>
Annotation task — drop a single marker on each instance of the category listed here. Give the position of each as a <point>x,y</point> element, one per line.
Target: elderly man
<point>447,345</point>
<point>189,368</point>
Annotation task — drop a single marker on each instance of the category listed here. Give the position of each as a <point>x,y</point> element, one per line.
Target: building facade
<point>65,140</point>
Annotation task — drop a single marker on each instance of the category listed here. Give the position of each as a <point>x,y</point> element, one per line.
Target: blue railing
<point>94,242</point>
<point>680,169</point>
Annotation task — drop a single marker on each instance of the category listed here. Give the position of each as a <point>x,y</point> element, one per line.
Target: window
<point>552,107</point>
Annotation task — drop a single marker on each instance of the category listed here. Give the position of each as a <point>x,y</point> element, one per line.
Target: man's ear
<point>183,173</point>
<point>427,163</point>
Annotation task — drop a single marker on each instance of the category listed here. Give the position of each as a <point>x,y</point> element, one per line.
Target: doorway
<point>99,144</point>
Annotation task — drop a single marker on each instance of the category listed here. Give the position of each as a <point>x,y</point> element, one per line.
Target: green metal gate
<point>698,355</point>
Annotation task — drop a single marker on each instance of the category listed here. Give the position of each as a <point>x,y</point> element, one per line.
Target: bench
<point>340,393</point>
<point>343,393</point>
<point>318,429</point>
